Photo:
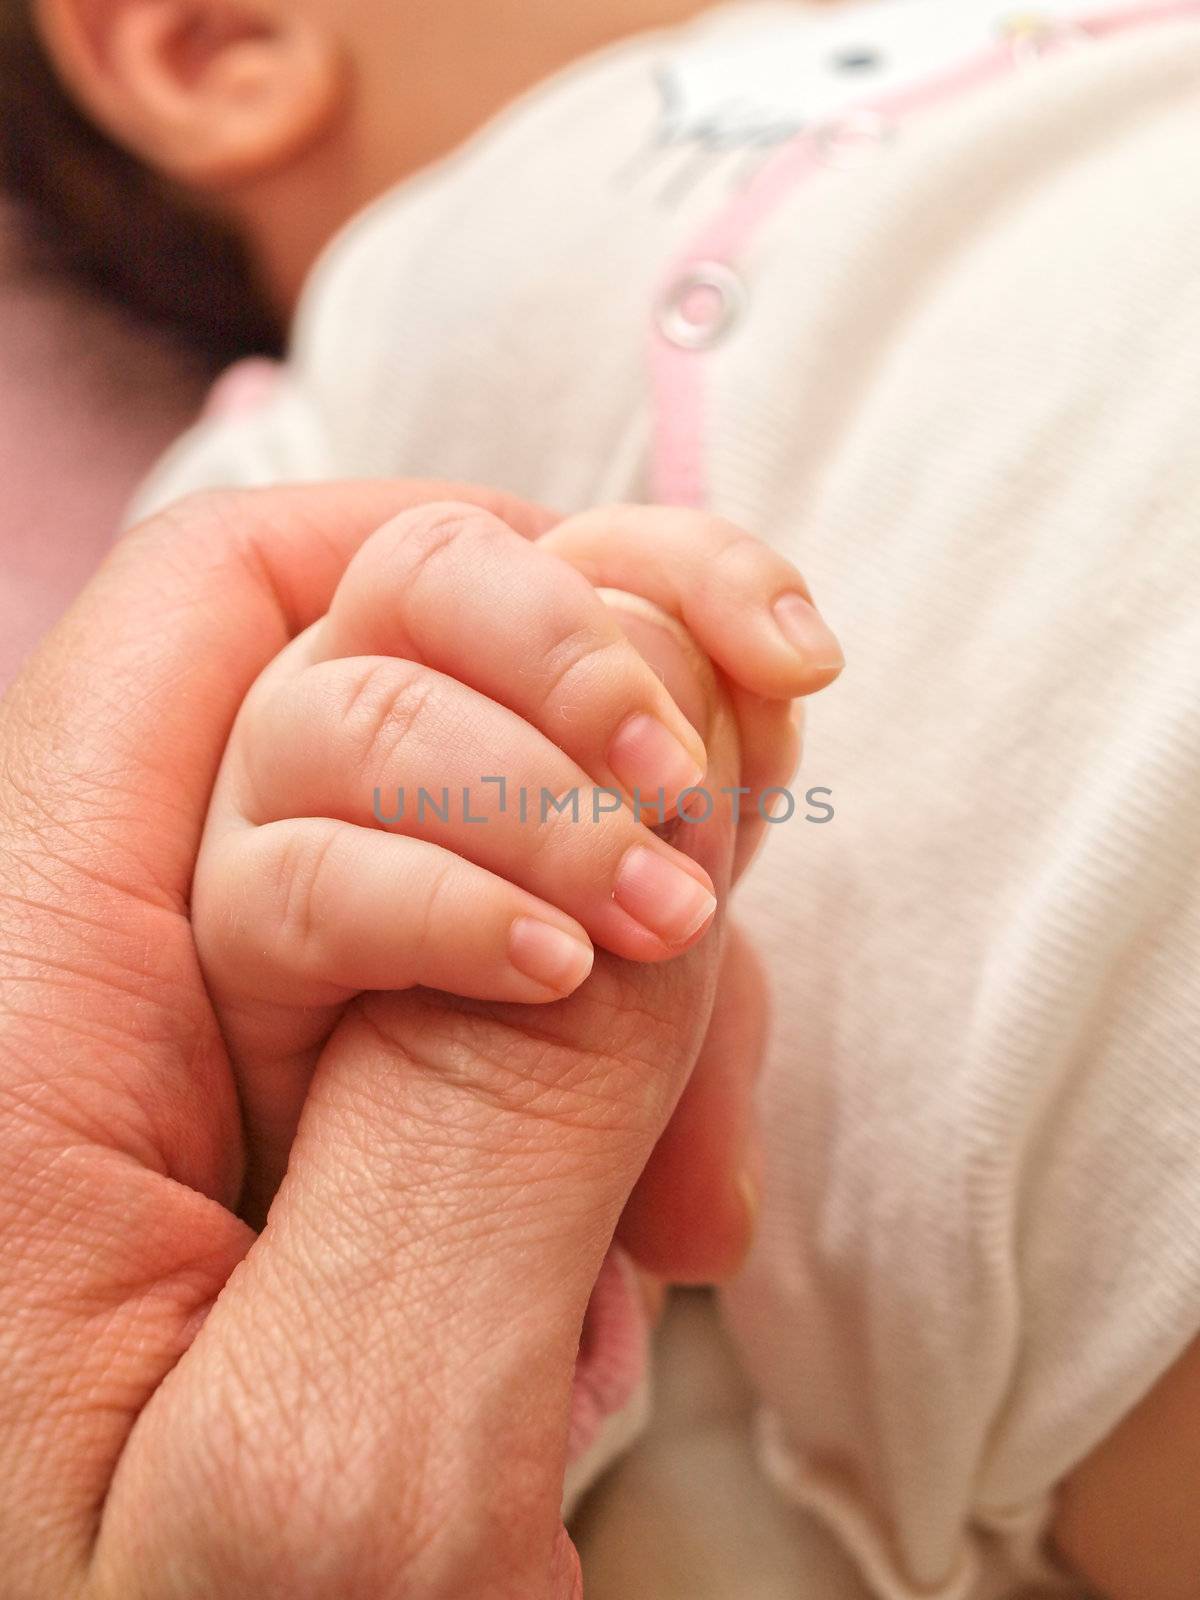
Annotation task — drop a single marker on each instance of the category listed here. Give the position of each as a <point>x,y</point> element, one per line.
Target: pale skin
<point>288,117</point>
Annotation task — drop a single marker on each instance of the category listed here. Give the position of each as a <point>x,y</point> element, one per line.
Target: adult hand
<point>370,1398</point>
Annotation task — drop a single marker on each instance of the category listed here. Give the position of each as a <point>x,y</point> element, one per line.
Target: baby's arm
<point>456,654</point>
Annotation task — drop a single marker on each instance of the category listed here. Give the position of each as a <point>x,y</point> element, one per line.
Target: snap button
<point>702,306</point>
<point>854,140</point>
<point>1032,35</point>
<point>861,58</point>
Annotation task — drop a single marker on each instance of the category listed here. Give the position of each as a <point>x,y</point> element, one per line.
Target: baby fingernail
<point>807,632</point>
<point>549,955</point>
<point>662,896</point>
<point>645,755</point>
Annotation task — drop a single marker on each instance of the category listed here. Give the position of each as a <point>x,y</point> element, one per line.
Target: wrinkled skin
<point>370,1398</point>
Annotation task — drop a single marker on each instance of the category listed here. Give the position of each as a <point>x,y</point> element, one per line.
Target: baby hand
<point>460,660</point>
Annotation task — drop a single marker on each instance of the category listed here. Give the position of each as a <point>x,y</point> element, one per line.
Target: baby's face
<point>382,53</point>
<point>291,115</point>
<point>424,74</point>
<point>287,116</point>
<point>418,77</point>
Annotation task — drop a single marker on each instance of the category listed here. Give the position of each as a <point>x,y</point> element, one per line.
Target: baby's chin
<point>610,1395</point>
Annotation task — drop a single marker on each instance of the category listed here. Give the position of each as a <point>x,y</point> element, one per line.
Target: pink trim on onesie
<point>678,365</point>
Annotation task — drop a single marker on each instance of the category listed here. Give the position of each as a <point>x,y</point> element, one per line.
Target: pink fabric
<point>614,1352</point>
<point>677,373</point>
<point>243,388</point>
<point>87,402</point>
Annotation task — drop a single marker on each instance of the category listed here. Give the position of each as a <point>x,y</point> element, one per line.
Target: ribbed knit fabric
<point>964,396</point>
<point>977,428</point>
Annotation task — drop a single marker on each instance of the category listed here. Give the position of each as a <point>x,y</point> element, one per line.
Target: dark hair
<point>111,224</point>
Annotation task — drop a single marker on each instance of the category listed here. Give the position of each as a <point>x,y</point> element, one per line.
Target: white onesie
<point>911,289</point>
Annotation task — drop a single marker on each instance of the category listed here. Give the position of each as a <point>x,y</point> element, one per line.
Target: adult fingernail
<point>663,896</point>
<point>549,955</point>
<point>807,633</point>
<point>748,1186</point>
<point>746,1207</point>
<point>646,756</point>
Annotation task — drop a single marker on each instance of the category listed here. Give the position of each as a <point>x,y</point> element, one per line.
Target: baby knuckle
<point>738,559</point>
<point>574,663</point>
<point>305,863</point>
<point>381,705</point>
<point>433,911</point>
<point>414,545</point>
<point>560,846</point>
